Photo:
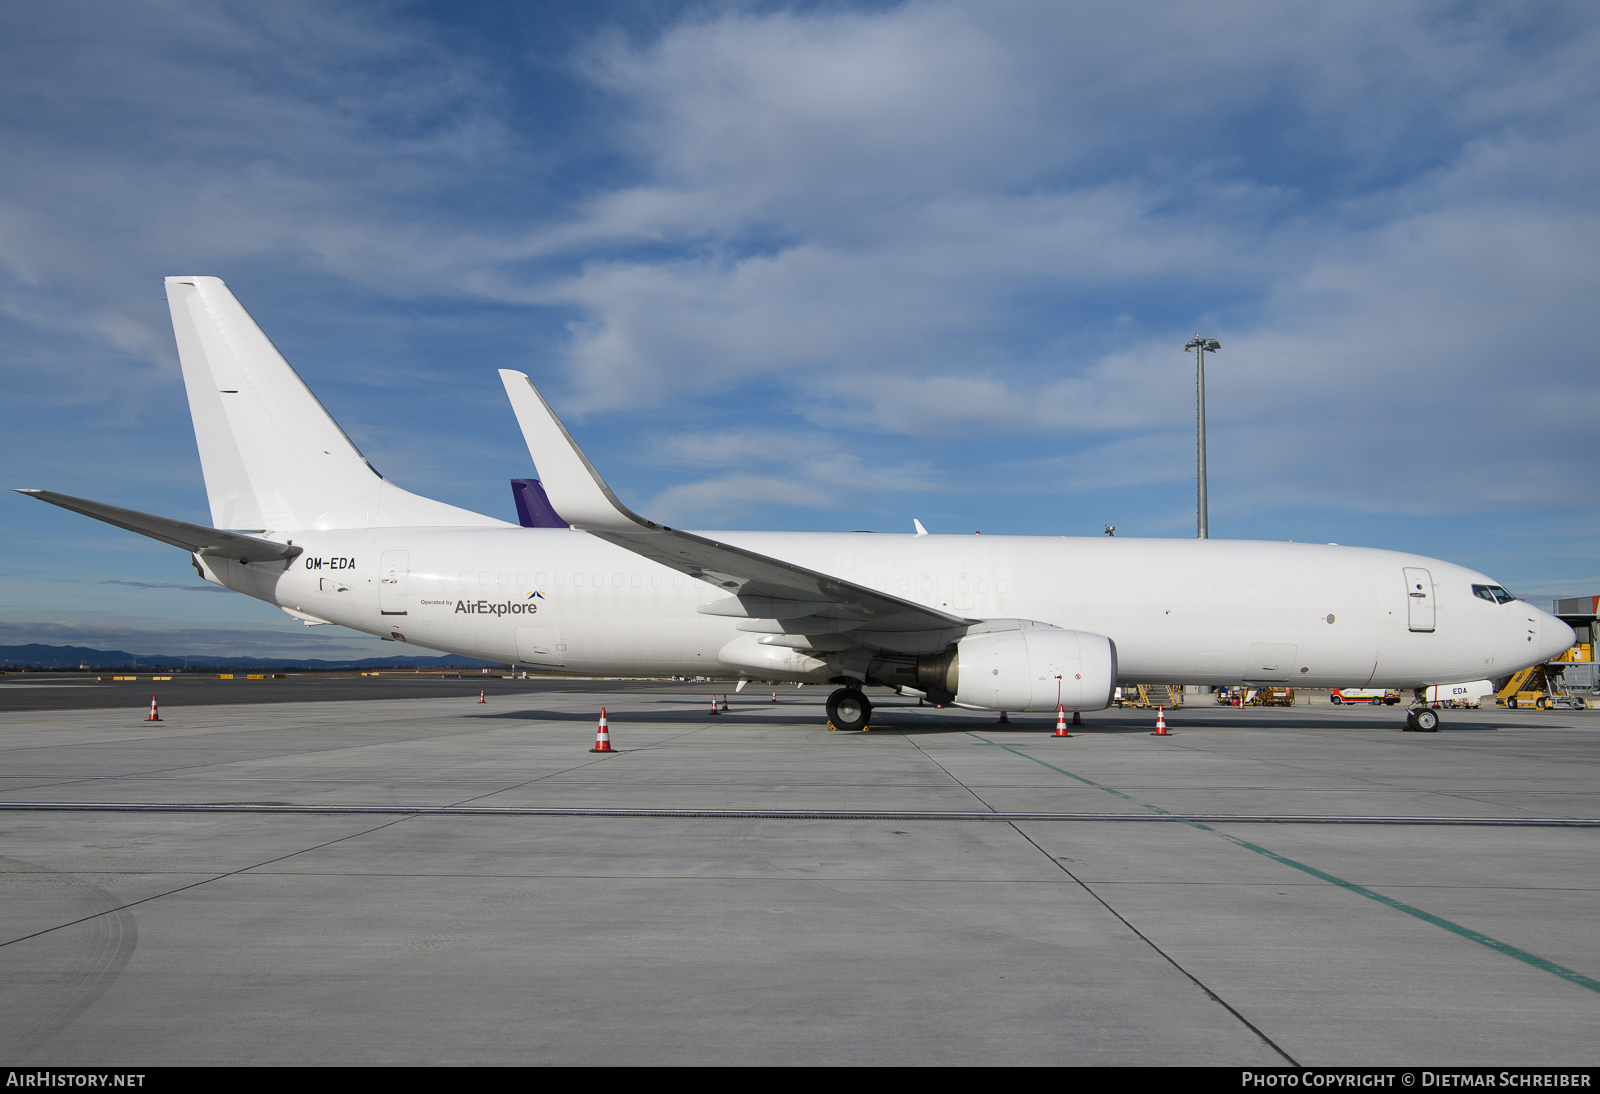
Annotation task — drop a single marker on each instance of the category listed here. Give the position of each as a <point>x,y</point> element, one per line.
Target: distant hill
<point>36,656</point>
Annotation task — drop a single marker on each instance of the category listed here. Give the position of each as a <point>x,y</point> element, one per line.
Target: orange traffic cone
<point>1161,723</point>
<point>724,703</point>
<point>481,699</point>
<point>774,697</point>
<point>155,716</point>
<point>714,709</point>
<point>602,735</point>
<point>1061,722</point>
<point>1004,721</point>
<point>1077,719</point>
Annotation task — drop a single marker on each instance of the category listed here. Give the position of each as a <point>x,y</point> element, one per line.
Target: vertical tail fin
<point>533,506</point>
<point>273,458</point>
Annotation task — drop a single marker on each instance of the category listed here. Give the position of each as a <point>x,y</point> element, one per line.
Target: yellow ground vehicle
<point>1540,687</point>
<point>1149,696</point>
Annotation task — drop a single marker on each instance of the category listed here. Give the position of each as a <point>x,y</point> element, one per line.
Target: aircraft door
<point>962,598</point>
<point>1419,598</point>
<point>392,583</point>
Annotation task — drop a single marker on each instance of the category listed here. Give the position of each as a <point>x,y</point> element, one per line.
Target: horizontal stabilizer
<point>760,582</point>
<point>193,538</point>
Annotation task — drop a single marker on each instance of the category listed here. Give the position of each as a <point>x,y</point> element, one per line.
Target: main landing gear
<point>848,709</point>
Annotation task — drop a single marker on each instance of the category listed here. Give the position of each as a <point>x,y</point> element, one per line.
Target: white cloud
<point>979,231</point>
<point>1387,211</point>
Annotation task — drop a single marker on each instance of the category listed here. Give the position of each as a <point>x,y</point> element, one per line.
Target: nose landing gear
<point>1422,721</point>
<point>1421,718</point>
<point>848,709</point>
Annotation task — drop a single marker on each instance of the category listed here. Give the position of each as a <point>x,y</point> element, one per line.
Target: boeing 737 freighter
<point>1015,623</point>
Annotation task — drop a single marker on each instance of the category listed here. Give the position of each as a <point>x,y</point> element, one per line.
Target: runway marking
<point>1158,815</point>
<point>1400,906</point>
<point>1104,903</point>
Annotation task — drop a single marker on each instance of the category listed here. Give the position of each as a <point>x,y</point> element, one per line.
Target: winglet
<point>921,531</point>
<point>574,487</point>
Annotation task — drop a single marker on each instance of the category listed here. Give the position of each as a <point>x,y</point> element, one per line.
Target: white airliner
<point>991,622</point>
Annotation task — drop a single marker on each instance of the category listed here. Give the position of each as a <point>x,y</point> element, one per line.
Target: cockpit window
<point>1492,592</point>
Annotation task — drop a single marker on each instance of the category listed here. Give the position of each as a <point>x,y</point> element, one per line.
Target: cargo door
<point>392,583</point>
<point>540,646</point>
<point>1270,661</point>
<point>1419,598</point>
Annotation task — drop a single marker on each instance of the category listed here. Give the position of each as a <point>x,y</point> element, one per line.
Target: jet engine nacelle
<point>1026,670</point>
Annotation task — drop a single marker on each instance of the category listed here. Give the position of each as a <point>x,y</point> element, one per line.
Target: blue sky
<point>816,266</point>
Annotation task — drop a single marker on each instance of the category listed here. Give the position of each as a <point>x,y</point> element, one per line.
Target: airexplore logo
<point>492,607</point>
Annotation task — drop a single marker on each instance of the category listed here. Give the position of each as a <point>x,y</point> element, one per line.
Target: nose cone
<point>1555,637</point>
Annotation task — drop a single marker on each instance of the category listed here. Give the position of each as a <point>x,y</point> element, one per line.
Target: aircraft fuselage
<point>1191,611</point>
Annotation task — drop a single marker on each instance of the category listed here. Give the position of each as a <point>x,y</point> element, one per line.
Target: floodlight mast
<point>1200,344</point>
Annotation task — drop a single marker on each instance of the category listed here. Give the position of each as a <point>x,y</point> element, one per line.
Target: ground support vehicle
<point>1149,696</point>
<point>1539,687</point>
<point>1370,696</point>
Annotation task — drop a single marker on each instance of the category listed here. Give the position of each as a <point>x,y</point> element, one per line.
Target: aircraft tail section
<point>274,459</point>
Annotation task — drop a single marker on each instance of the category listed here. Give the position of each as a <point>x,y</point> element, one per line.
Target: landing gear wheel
<point>848,709</point>
<point>1423,721</point>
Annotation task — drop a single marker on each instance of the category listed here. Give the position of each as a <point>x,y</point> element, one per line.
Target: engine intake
<point>1019,670</point>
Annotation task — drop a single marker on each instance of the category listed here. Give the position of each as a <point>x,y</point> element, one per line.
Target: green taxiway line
<point>1400,906</point>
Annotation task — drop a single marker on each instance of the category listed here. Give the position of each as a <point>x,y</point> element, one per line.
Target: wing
<point>195,538</point>
<point>788,605</point>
